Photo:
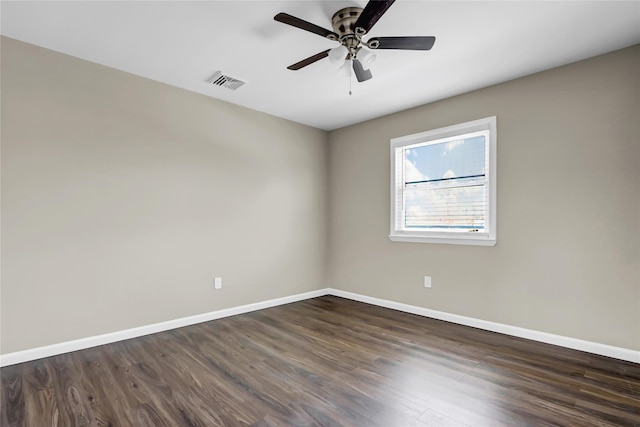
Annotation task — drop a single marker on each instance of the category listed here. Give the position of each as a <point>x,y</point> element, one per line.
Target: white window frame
<point>487,237</point>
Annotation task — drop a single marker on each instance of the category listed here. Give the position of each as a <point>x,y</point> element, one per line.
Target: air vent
<point>219,79</point>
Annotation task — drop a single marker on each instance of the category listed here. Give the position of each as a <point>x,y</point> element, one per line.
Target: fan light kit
<point>350,25</point>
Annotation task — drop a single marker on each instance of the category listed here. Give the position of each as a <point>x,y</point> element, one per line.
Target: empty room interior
<point>320,213</point>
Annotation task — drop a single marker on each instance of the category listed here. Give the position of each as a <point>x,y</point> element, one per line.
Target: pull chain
<point>350,78</point>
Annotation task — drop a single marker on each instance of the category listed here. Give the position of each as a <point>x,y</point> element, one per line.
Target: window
<point>443,185</point>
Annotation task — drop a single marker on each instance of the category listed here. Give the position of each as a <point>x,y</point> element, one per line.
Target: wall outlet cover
<point>427,281</point>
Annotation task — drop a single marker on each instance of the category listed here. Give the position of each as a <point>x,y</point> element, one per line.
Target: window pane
<point>444,185</point>
<point>449,205</point>
<point>458,158</point>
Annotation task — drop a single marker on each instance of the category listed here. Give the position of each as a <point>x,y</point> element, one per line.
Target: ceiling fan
<point>350,25</point>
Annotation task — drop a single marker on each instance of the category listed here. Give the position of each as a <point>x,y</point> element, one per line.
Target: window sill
<point>444,240</point>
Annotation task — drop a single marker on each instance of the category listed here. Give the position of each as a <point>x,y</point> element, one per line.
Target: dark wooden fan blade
<point>310,60</point>
<point>409,42</point>
<point>361,74</point>
<point>285,18</point>
<point>372,12</point>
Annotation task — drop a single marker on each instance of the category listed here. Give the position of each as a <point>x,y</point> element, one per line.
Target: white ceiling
<point>478,43</point>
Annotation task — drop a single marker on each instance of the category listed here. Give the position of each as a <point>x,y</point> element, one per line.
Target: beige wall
<point>567,258</point>
<point>122,198</point>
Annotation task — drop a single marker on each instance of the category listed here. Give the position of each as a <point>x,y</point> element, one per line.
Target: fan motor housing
<point>344,21</point>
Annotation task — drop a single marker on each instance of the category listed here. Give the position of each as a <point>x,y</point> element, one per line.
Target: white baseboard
<point>574,343</point>
<point>81,344</point>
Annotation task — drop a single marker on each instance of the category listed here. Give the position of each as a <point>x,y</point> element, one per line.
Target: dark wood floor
<point>323,362</point>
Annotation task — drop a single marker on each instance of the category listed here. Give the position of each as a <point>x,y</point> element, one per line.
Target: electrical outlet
<point>427,281</point>
<point>217,283</point>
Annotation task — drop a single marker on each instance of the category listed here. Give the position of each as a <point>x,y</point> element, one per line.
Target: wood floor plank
<point>324,362</point>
